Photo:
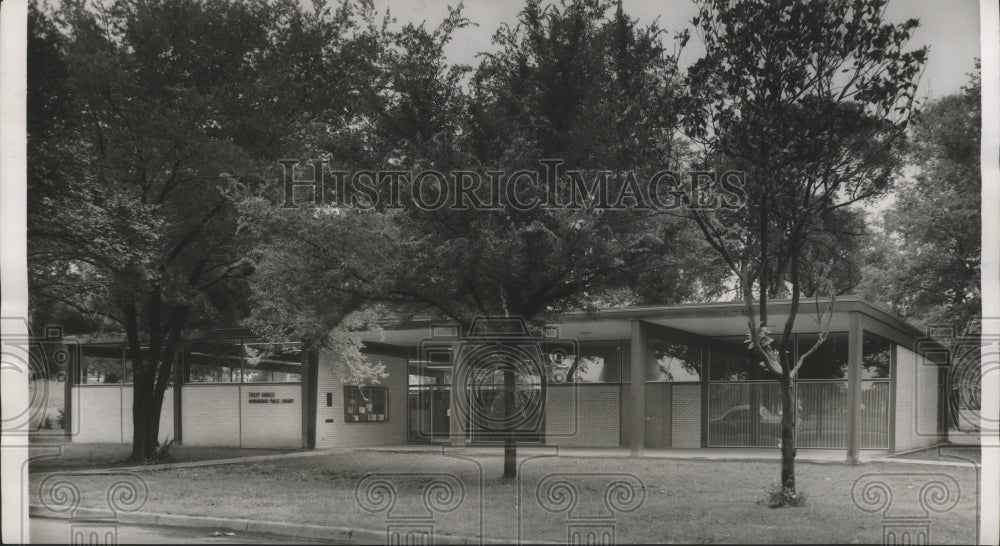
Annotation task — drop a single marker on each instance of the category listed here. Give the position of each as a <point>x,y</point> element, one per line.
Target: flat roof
<point>707,319</point>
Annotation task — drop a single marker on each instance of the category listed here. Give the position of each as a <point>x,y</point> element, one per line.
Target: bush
<point>778,497</point>
<point>47,424</point>
<point>61,417</point>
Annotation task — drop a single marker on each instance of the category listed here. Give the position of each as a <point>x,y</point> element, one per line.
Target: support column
<point>73,366</point>
<point>178,372</point>
<point>855,339</point>
<point>309,376</point>
<point>456,426</point>
<point>637,388</point>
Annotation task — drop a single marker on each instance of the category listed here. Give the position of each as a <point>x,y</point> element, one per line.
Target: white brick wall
<point>210,414</point>
<point>222,415</point>
<point>104,414</point>
<point>916,401</point>
<point>98,411</point>
<point>337,433</point>
<point>685,416</point>
<point>271,424</point>
<point>589,418</point>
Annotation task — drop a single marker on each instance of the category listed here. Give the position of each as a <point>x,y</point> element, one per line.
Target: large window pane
<point>212,362</point>
<point>598,362</point>
<point>272,363</point>
<point>830,359</point>
<point>822,414</point>
<point>874,428</point>
<point>744,414</point>
<point>102,364</point>
<point>675,361</point>
<point>731,360</point>
<point>875,361</point>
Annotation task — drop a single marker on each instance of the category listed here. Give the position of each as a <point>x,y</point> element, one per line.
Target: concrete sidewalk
<point>719,454</point>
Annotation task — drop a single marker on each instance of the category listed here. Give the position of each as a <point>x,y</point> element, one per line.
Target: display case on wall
<point>366,404</point>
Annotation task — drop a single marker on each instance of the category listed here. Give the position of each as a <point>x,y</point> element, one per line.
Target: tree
<point>926,260</point>
<point>168,103</point>
<point>582,84</point>
<point>928,265</point>
<point>810,100</point>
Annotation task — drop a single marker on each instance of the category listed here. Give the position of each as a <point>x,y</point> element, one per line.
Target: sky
<point>949,27</point>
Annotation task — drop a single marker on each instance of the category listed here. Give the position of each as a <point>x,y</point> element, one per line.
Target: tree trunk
<point>787,436</point>
<point>143,437</point>
<point>151,372</point>
<point>509,447</point>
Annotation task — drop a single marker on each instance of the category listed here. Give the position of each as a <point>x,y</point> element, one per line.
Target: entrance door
<point>658,415</point>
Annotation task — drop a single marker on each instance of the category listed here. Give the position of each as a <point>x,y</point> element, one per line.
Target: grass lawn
<point>87,456</point>
<point>685,500</point>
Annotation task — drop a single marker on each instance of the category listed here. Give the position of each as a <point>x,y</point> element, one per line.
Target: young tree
<point>171,102</point>
<point>810,100</point>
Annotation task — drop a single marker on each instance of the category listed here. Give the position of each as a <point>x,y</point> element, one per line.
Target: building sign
<point>257,397</point>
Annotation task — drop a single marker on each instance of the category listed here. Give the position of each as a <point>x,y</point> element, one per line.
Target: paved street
<point>57,531</point>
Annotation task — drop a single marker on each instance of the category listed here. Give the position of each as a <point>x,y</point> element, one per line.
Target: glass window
<point>874,429</point>
<point>100,364</point>
<point>731,360</point>
<point>876,352</point>
<point>830,359</point>
<point>598,362</point>
<point>102,370</point>
<point>272,363</point>
<point>674,361</point>
<point>212,362</point>
<point>366,404</point>
<point>744,414</point>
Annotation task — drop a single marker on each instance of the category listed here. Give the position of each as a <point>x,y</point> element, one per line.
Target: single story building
<point>677,376</point>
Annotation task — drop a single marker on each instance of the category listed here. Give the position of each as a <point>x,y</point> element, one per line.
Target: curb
<point>293,530</point>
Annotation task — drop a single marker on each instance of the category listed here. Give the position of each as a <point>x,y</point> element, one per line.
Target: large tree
<point>583,84</point>
<point>927,267</point>
<point>810,100</point>
<point>163,105</point>
<point>577,82</point>
<point>924,262</point>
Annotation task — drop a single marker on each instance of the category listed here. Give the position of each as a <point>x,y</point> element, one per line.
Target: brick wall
<point>685,416</point>
<point>337,433</point>
<point>104,414</point>
<point>98,411</point>
<point>916,401</point>
<point>586,415</point>
<point>210,414</point>
<point>222,415</point>
<point>271,424</point>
